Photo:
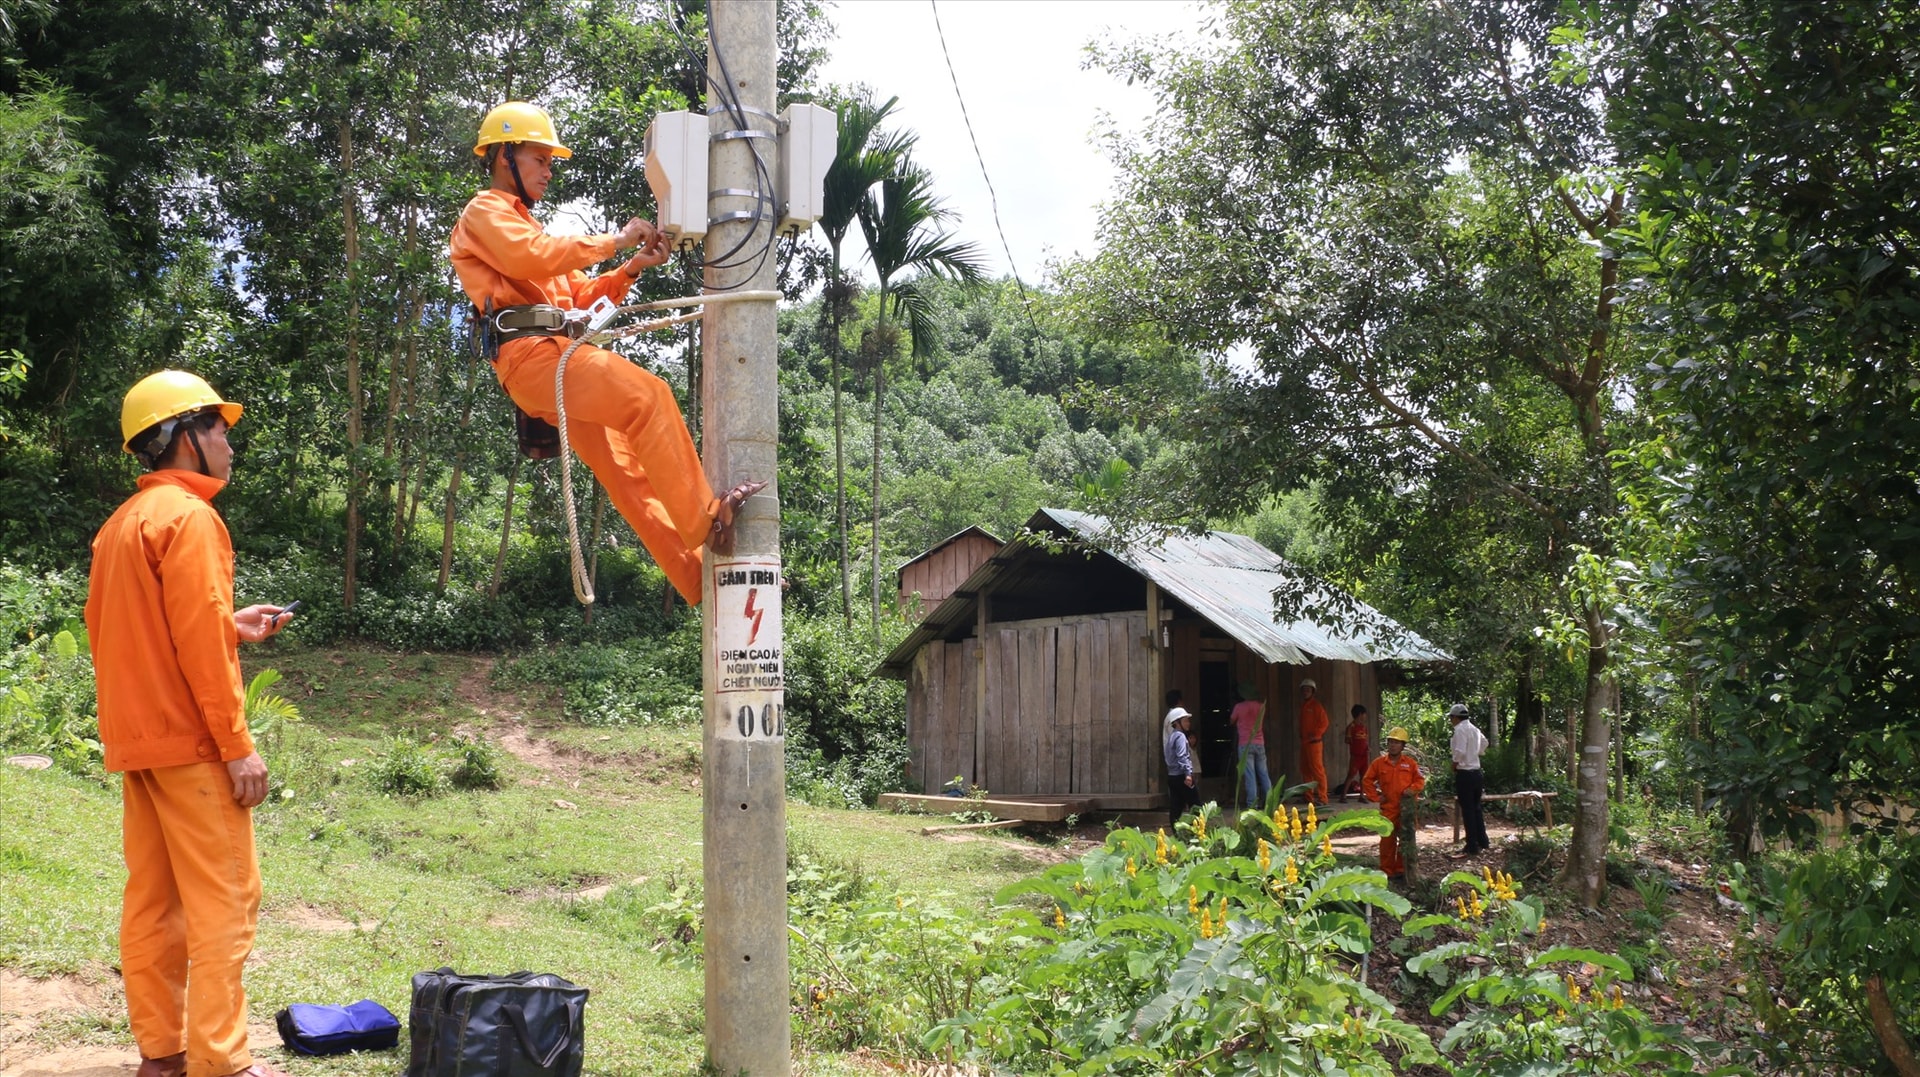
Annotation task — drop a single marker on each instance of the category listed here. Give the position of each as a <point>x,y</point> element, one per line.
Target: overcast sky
<point>1018,64</point>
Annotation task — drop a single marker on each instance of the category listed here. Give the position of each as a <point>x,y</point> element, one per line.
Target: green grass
<point>364,889</point>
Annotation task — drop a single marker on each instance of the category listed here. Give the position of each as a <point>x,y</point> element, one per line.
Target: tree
<point>901,221</point>
<point>1779,265</point>
<point>863,156</point>
<point>1398,211</point>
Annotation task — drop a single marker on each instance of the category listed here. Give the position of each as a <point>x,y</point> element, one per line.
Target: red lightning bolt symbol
<point>755,614</point>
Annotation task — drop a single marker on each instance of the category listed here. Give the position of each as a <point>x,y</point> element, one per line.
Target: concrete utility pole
<point>744,768</point>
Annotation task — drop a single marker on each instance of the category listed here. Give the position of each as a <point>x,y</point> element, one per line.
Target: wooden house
<point>928,579</point>
<point>1043,672</point>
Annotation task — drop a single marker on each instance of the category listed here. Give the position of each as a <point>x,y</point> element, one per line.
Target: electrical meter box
<point>677,172</point>
<point>808,135</point>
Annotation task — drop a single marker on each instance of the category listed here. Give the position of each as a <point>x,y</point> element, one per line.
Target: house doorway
<point>1215,730</point>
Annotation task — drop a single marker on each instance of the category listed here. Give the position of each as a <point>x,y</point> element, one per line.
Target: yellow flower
<point>1619,1000</point>
<point>1266,856</point>
<point>1460,906</point>
<point>1193,900</point>
<point>1200,827</point>
<point>1293,825</point>
<point>1160,847</point>
<point>899,902</point>
<point>1206,924</point>
<point>1133,870</point>
<point>1543,925</point>
<point>1223,915</point>
<point>1326,845</point>
<point>1573,990</point>
<point>1293,872</point>
<point>1561,1013</point>
<point>1313,816</point>
<point>1059,918</point>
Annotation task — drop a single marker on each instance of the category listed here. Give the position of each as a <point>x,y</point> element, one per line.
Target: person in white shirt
<point>1469,781</point>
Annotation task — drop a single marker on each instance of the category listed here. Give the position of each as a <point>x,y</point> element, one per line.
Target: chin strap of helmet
<point>193,438</point>
<point>513,166</point>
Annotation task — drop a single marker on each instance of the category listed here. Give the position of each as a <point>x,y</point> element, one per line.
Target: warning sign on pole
<point>748,675</point>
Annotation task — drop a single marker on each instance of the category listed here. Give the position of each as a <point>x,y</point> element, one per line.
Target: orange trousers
<point>187,921</point>
<point>1390,861</point>
<point>1314,769</point>
<point>625,423</point>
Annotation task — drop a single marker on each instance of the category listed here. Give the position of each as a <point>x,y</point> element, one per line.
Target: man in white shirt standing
<point>1469,781</point>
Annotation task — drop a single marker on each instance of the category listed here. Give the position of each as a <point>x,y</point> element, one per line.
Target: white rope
<point>582,584</point>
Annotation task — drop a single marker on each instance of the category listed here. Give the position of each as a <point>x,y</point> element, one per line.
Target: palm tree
<point>863,156</point>
<point>901,222</point>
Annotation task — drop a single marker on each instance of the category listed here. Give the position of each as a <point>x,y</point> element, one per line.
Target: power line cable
<point>993,197</point>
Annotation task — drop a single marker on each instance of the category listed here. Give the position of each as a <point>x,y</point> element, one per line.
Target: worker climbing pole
<point>744,773</point>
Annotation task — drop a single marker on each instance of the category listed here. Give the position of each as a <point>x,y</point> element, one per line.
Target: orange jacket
<point>166,657</point>
<point>1388,779</point>
<point>1313,722</point>
<point>502,254</point>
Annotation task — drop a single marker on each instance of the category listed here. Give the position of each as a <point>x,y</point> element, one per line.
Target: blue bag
<point>333,1030</point>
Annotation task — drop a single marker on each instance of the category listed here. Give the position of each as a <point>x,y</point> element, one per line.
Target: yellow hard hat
<point>517,121</point>
<point>1398,733</point>
<point>168,395</point>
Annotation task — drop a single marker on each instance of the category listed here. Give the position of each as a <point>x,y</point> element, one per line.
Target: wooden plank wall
<point>941,693</point>
<point>936,577</point>
<point>1066,709</point>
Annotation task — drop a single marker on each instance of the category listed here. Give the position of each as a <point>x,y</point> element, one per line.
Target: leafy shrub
<point>47,702</point>
<point>846,727</point>
<point>405,767</point>
<point>476,763</point>
<point>647,681</point>
<point>1528,1012</point>
<point>38,603</point>
<point>1849,928</point>
<point>1206,955</point>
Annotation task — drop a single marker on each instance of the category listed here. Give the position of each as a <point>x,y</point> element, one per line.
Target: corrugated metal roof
<point>1230,580</point>
<point>1225,578</point>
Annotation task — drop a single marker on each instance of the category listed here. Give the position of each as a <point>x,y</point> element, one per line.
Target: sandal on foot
<point>720,540</point>
<point>173,1065</point>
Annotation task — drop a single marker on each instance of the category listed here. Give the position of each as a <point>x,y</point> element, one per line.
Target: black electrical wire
<point>993,197</point>
<point>765,205</point>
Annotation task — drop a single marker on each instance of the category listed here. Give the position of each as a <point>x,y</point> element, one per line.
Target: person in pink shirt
<point>1250,736</point>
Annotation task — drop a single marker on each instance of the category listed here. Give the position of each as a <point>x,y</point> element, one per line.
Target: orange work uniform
<point>622,420</point>
<point>1387,780</point>
<point>1313,730</point>
<point>1356,756</point>
<point>167,669</point>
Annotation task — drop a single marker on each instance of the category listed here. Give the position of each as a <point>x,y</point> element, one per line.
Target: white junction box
<point>807,142</point>
<point>677,172</point>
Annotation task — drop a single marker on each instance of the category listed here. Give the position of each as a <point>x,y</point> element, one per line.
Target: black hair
<point>1173,696</point>
<point>1358,710</point>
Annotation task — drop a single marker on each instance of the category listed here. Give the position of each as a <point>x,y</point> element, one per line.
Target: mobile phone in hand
<point>287,610</point>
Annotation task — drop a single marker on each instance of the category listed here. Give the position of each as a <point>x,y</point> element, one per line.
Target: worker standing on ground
<point>623,421</point>
<point>1391,779</point>
<point>1313,734</point>
<point>163,629</point>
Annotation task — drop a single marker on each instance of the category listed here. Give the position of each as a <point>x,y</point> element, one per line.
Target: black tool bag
<point>523,1025</point>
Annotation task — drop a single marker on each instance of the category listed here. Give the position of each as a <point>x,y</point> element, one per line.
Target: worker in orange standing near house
<point>1392,778</point>
<point>161,621</point>
<point>1313,731</point>
<point>622,420</point>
